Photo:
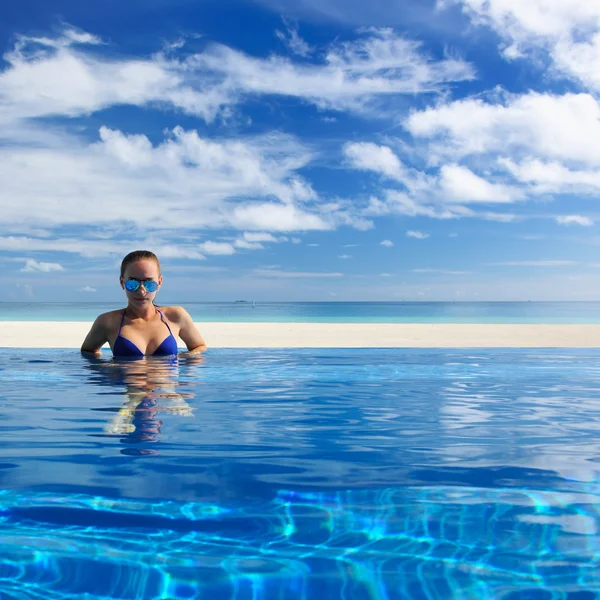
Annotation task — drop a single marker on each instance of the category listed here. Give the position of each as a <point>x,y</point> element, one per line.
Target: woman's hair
<point>138,255</point>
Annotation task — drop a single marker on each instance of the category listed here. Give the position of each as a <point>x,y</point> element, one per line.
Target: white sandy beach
<point>52,334</point>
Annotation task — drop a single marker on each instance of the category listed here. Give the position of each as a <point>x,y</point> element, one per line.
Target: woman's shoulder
<point>173,313</point>
<point>110,317</point>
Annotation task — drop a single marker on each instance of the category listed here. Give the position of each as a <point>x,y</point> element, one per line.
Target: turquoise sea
<point>329,312</point>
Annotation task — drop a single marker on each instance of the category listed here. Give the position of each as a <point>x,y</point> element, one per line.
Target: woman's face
<point>141,270</point>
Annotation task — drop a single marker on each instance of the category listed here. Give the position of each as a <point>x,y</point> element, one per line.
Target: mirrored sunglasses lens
<point>150,286</point>
<point>132,285</point>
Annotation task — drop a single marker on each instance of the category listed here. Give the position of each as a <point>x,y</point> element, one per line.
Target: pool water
<point>301,474</point>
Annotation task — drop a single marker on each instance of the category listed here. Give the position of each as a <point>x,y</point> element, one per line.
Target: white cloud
<point>49,76</point>
<point>419,235</point>
<point>553,177</point>
<point>255,240</point>
<point>264,166</point>
<point>442,271</point>
<point>344,256</point>
<point>293,41</point>
<point>259,237</point>
<point>508,149</point>
<point>293,274</point>
<point>440,195</point>
<point>535,263</point>
<point>498,217</point>
<point>503,150</point>
<point>378,64</point>
<point>87,289</point>
<point>217,248</point>
<point>34,266</point>
<point>468,153</point>
<point>581,60</point>
<point>574,219</point>
<point>460,184</point>
<point>566,128</point>
<point>55,177</point>
<point>60,76</point>
<point>371,157</point>
<point>385,274</point>
<point>245,245</point>
<point>569,32</point>
<point>276,217</point>
<point>537,18</point>
<point>397,202</point>
<point>387,243</point>
<point>400,203</point>
<point>96,248</point>
<point>185,182</point>
<point>348,218</point>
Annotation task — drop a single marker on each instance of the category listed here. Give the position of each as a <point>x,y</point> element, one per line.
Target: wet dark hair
<point>138,255</point>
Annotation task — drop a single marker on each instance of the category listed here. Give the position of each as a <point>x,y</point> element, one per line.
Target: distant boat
<point>246,301</point>
<point>253,303</point>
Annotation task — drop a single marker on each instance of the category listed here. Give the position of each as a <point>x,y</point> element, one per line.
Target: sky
<point>279,150</point>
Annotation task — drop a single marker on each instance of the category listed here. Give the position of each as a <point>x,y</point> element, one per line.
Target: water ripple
<point>468,543</point>
<point>300,474</point>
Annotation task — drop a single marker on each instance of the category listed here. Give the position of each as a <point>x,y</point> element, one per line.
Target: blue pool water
<point>262,474</point>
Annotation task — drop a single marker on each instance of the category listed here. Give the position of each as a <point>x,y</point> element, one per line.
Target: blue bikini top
<point>125,347</point>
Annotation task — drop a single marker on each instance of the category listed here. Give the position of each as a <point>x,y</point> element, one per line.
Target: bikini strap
<point>164,320</point>
<point>121,325</point>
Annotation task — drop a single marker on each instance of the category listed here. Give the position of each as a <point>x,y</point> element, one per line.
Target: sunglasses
<point>133,285</point>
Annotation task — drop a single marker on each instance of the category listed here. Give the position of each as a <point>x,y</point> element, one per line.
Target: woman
<point>140,329</point>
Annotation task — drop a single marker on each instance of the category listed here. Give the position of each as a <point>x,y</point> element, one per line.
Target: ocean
<point>329,312</point>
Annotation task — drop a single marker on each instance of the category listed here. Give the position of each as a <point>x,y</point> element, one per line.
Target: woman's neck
<point>146,314</point>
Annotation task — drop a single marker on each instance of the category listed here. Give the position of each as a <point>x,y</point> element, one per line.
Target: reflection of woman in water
<point>152,387</point>
<point>139,330</point>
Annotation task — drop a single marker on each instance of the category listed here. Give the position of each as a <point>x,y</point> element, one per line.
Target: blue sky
<point>302,150</point>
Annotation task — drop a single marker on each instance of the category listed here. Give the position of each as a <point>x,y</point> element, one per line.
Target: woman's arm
<point>188,331</point>
<point>97,337</point>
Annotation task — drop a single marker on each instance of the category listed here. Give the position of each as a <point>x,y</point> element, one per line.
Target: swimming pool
<point>279,474</point>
